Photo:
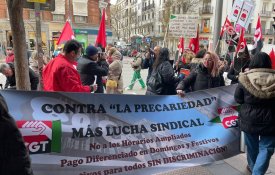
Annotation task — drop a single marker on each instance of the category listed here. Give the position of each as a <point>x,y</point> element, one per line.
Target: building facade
<point>146,18</point>
<point>84,15</point>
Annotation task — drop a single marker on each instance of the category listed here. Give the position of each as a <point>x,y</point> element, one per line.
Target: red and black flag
<point>228,28</point>
<point>258,38</point>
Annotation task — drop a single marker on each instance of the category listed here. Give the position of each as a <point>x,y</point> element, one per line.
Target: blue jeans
<point>259,152</point>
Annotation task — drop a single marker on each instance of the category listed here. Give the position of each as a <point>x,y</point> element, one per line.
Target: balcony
<point>133,13</point>
<point>148,7</point>
<point>206,10</point>
<point>205,30</point>
<point>268,32</point>
<point>265,14</point>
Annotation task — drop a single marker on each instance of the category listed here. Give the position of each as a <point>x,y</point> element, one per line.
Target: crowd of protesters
<point>98,72</point>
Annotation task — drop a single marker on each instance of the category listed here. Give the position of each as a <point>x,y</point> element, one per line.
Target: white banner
<point>183,25</point>
<point>236,10</point>
<point>245,15</point>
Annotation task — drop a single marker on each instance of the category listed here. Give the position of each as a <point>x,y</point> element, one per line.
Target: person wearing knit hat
<point>114,83</point>
<point>92,68</point>
<point>136,65</point>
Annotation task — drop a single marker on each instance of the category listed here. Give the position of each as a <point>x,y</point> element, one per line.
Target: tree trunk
<point>15,8</point>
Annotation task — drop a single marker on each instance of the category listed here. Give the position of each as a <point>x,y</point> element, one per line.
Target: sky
<point>113,1</point>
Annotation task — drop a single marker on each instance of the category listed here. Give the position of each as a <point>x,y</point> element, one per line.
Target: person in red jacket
<point>10,55</point>
<point>60,74</point>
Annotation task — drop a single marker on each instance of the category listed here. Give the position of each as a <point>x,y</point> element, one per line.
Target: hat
<point>99,50</point>
<point>91,51</point>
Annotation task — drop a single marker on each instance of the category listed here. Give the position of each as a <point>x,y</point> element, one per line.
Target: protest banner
<point>183,25</point>
<point>99,134</point>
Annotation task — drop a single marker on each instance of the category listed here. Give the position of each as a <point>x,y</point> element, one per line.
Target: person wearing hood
<point>92,67</point>
<point>136,65</point>
<point>197,60</point>
<point>206,76</point>
<point>240,64</point>
<point>256,94</point>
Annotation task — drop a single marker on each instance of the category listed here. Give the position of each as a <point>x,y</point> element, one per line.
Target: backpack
<point>155,82</point>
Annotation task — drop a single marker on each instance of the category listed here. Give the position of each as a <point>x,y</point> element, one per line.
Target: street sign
<point>148,40</point>
<point>183,25</point>
<point>37,1</point>
<point>49,5</point>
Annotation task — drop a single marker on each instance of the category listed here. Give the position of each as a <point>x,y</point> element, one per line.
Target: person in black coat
<point>240,64</point>
<point>14,157</point>
<point>92,65</point>
<point>207,75</point>
<point>8,70</point>
<point>256,94</point>
<point>162,80</point>
<point>149,60</point>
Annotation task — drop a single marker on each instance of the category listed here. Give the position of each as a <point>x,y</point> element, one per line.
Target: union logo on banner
<point>41,136</point>
<point>228,116</point>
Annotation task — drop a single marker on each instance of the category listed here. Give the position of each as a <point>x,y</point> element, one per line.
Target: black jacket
<point>88,69</point>
<point>11,81</point>
<point>200,79</point>
<point>14,157</point>
<point>168,80</point>
<point>256,94</point>
<point>236,68</point>
<point>148,64</point>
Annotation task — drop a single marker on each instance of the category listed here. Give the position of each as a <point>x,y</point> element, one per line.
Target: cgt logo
<point>230,122</point>
<point>41,136</point>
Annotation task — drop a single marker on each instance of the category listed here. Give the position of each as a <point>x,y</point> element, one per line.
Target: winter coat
<point>88,69</point>
<point>14,157</point>
<point>168,80</point>
<point>233,72</point>
<point>60,74</point>
<point>115,73</point>
<point>136,63</point>
<point>11,81</point>
<point>195,63</point>
<point>148,64</point>
<point>200,79</point>
<point>10,58</point>
<point>256,94</point>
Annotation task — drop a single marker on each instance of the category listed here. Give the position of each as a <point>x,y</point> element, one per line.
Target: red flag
<point>66,34</point>
<point>272,58</point>
<point>242,42</point>
<point>101,36</point>
<point>194,43</point>
<point>228,27</point>
<point>258,42</point>
<point>181,45</point>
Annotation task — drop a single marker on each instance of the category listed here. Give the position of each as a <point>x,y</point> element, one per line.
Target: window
<point>59,7</point>
<point>80,19</point>
<point>80,7</point>
<point>57,17</point>
<point>206,26</point>
<point>153,15</point>
<point>265,5</point>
